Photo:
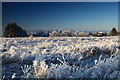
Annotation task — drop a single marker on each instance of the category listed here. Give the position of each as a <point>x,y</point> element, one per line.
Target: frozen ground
<point>60,57</point>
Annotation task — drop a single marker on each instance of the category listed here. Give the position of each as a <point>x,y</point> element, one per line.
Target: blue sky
<point>90,16</point>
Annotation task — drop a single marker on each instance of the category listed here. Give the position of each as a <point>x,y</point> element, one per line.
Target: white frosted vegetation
<point>60,57</point>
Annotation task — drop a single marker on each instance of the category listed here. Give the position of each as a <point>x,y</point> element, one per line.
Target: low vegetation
<point>60,57</point>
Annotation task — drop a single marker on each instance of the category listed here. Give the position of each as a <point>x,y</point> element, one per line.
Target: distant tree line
<point>99,34</point>
<point>70,33</point>
<point>41,33</point>
<point>13,30</point>
<point>66,33</point>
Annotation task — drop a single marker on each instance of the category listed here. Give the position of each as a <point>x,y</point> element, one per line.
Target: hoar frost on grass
<point>60,57</point>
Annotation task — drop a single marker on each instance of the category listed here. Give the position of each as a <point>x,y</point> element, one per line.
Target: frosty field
<point>60,57</point>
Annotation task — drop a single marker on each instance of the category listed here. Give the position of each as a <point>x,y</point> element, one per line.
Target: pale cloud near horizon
<point>59,0</point>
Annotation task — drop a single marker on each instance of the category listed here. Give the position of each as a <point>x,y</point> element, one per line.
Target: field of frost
<point>60,57</point>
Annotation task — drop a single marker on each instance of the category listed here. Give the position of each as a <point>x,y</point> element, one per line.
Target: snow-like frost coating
<point>60,57</point>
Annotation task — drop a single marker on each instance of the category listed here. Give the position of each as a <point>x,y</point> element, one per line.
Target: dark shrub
<point>113,32</point>
<point>13,30</point>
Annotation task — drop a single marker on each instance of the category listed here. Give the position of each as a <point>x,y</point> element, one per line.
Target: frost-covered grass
<point>60,57</point>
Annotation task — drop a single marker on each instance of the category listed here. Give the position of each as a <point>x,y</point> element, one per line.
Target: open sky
<point>88,16</point>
